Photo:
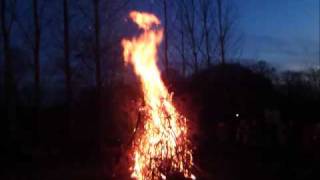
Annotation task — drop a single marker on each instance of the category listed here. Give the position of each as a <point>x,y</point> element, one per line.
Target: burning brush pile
<point>160,145</point>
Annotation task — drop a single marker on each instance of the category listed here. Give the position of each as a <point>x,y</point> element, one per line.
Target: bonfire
<point>161,145</point>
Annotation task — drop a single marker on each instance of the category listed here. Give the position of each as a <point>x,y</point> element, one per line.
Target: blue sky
<point>282,32</point>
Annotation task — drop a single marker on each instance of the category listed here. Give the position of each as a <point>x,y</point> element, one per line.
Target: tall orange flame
<point>161,146</point>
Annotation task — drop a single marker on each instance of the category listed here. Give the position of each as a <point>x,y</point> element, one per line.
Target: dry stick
<point>131,139</point>
<point>134,134</point>
<point>136,129</point>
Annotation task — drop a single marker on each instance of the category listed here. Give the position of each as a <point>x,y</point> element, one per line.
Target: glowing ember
<point>161,145</point>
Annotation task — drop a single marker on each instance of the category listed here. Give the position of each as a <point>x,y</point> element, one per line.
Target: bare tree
<point>9,84</point>
<point>97,47</point>
<point>180,26</point>
<point>94,49</point>
<point>182,40</point>
<point>67,69</point>
<point>205,8</point>
<point>225,20</point>
<point>36,56</point>
<point>97,55</point>
<point>190,17</point>
<point>165,36</point>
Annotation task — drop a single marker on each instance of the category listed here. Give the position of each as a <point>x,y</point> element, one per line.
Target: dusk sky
<point>285,33</point>
<point>282,32</point>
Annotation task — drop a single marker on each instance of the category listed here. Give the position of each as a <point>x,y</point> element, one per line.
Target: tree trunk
<point>166,38</point>
<point>7,55</point>
<point>67,69</point>
<point>191,29</point>
<point>207,48</point>
<point>97,47</point>
<point>9,85</point>
<point>195,56</point>
<point>183,54</point>
<point>221,32</point>
<point>36,59</point>
<point>100,129</point>
<point>205,5</point>
<point>36,56</point>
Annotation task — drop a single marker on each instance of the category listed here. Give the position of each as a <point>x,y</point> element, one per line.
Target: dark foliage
<point>247,125</point>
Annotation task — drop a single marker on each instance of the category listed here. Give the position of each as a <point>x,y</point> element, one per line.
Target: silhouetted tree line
<point>67,97</point>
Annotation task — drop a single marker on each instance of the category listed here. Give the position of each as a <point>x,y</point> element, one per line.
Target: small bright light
<point>237,115</point>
